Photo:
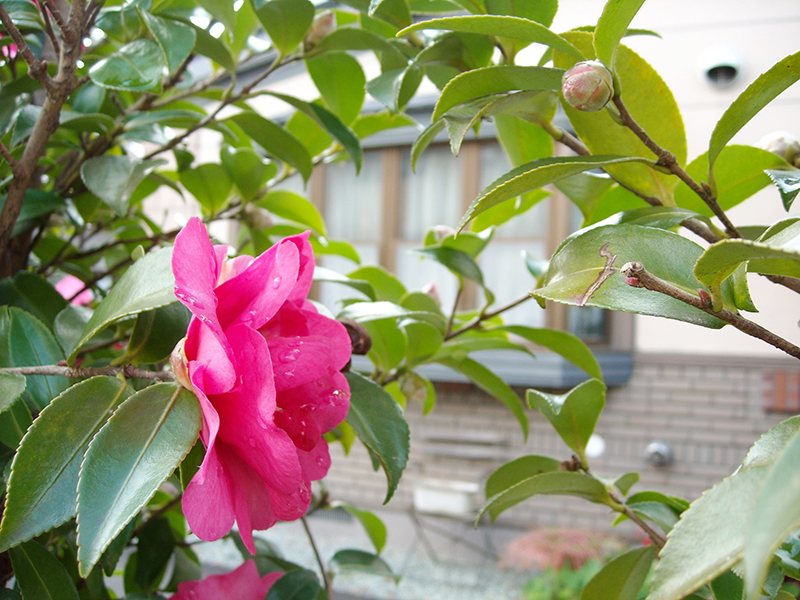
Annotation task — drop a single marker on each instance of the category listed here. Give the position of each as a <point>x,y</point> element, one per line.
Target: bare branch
<point>50,6</point>
<point>36,67</point>
<point>476,321</point>
<point>128,371</point>
<point>12,162</point>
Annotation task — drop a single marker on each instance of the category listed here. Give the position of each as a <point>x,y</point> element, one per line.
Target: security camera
<point>719,66</point>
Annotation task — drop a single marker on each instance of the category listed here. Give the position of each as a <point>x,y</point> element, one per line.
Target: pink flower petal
<point>71,285</point>
<point>305,274</point>
<point>316,462</point>
<point>242,584</point>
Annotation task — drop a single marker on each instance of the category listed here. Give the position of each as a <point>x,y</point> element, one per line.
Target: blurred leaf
<point>221,10</point>
<point>340,79</point>
<point>459,348</point>
<point>213,48</point>
<point>396,87</point>
<point>175,39</point>
<point>33,294</point>
<point>247,169</point>
<point>425,139</point>
<point>293,207</point>
<point>155,545</point>
<point>137,449</point>
<point>359,561</point>
<point>44,475</point>
<point>458,262</point>
<point>370,124</point>
<point>573,415</point>
<point>622,578</point>
<point>299,584</point>
<point>137,67</point>
<point>579,275</point>
<point>374,527</point>
<point>386,285</point>
<point>323,274</point>
<point>788,184</point>
<point>210,184</point>
<point>417,388</point>
<point>276,140</point>
<point>147,284</point>
<point>36,206</point>
<point>585,190</point>
<point>520,469</point>
<point>379,423</point>
<point>611,28</point>
<point>394,12</point>
<point>388,343</point>
<point>542,11</point>
<point>113,179</point>
<point>13,424</point>
<point>495,80</point>
<point>492,385</point>
<point>771,444</point>
<point>286,21</point>
<point>40,575</point>
<point>762,91</point>
<point>357,39</point>
<point>69,325</point>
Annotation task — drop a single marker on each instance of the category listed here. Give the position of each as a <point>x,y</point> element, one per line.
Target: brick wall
<point>709,411</point>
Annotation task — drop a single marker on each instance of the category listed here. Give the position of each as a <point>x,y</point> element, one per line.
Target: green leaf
<point>340,79</point>
<point>709,539</point>
<point>13,424</point>
<point>417,388</point>
<point>739,173</point>
<point>155,334</point>
<point>155,545</point>
<point>323,274</point>
<point>566,483</point>
<point>358,39</point>
<point>210,184</point>
<point>491,384</point>
<point>728,586</point>
<point>625,482</point>
<point>573,415</point>
<point>622,578</point>
<point>788,184</point>
<point>276,140</point>
<point>361,562</point>
<point>40,575</point>
<point>651,104</point>
<point>536,174</point>
<point>762,91</point>
<point>213,48</point>
<point>387,286</point>
<point>370,124</point>
<point>564,343</point>
<point>135,67</point>
<point>248,170</point>
<point>496,25</point>
<point>396,87</point>
<point>222,11</point>
<point>299,584</point>
<point>294,207</point>
<point>542,11</point>
<point>44,474</point>
<point>518,470</point>
<point>138,448</point>
<point>69,325</point>
<point>113,179</point>
<point>611,28</point>
<point>30,344</point>
<point>774,515</point>
<point>175,39</point>
<point>460,348</point>
<point>425,139</point>
<point>12,386</point>
<point>423,341</point>
<point>771,444</point>
<point>286,21</point>
<point>36,205</point>
<point>370,311</point>
<point>581,276</point>
<point>520,134</point>
<point>373,526</point>
<point>458,262</point>
<point>147,284</point>
<point>495,80</point>
<point>33,294</point>
<point>388,343</point>
<point>379,423</point>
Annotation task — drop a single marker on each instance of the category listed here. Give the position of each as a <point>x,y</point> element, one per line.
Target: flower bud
<point>588,86</point>
<point>256,217</point>
<point>180,366</point>
<point>783,144</point>
<point>441,232</point>
<point>432,291</point>
<point>322,26</point>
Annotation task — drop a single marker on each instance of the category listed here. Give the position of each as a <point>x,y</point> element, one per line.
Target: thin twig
<point>322,570</point>
<point>12,162</point>
<point>476,321</point>
<point>50,33</point>
<point>93,281</point>
<point>638,276</point>
<point>36,68</point>
<point>50,6</point>
<point>455,307</point>
<point>129,371</point>
<point>656,537</point>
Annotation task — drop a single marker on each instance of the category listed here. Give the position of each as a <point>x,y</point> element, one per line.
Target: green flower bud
<point>588,86</point>
<point>322,26</point>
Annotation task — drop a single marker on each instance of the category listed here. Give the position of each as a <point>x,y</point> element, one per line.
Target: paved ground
<point>436,558</point>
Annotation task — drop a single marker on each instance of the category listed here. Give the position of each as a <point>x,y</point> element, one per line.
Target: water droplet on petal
<point>289,355</point>
<point>276,282</point>
<point>204,319</point>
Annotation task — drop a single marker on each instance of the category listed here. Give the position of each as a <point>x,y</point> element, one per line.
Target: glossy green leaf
<point>175,39</point>
<point>294,207</point>
<point>396,87</point>
<point>371,311</point>
<point>460,263</point>
<point>622,578</point>
<point>276,141</point>
<point>423,340</point>
<point>651,104</point>
<point>138,448</point>
<point>155,334</point>
<point>662,515</point>
<point>495,80</point>
<point>739,173</point>
<point>492,385</point>
<point>155,546</point>
<point>771,444</point>
<point>709,539</point>
<point>147,284</point>
<point>31,344</point>
<point>564,343</point>
<point>388,343</point>
<point>247,169</point>
<point>370,124</point>
<point>348,561</point>
<point>327,275</point>
<point>394,12</point>
<point>210,184</point>
<point>762,91</point>
<point>788,184</point>
<point>191,463</point>
<point>611,28</point>
<point>660,217</point>
<point>581,276</point>
<point>542,11</point>
<point>69,325</point>
<point>358,39</point>
<point>12,386</point>
<point>135,67</point>
<point>340,79</point>
<point>40,575</point>
<point>44,474</point>
<point>561,483</point>
<point>373,526</point>
<point>573,415</point>
<point>505,211</point>
<point>518,470</point>
<point>33,294</point>
<point>24,14</point>
<point>386,285</point>
<point>221,10</point>
<point>774,515</point>
<point>519,132</point>
<point>13,424</point>
<point>298,584</point>
<point>213,48</point>
<point>425,139</point>
<point>536,174</point>
<point>286,21</point>
<point>379,423</point>
<point>113,179</point>
<point>36,205</point>
<point>499,25</point>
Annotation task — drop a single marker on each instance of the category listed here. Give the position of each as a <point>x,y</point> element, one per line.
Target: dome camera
<point>719,66</point>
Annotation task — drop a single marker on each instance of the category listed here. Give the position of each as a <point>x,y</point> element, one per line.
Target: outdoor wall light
<point>719,66</point>
<point>658,454</point>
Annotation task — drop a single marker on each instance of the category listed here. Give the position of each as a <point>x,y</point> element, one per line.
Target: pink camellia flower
<point>241,584</point>
<point>71,285</point>
<point>265,366</point>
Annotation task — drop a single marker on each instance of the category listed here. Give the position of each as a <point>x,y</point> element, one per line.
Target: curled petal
<point>242,584</point>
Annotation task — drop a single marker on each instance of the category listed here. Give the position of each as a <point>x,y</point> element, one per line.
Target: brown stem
<point>128,371</point>
<point>49,30</point>
<point>638,276</point>
<point>156,514</point>
<point>656,537</point>
<point>93,281</point>
<point>476,321</point>
<point>50,6</point>
<point>36,68</point>
<point>326,579</point>
<point>455,307</point>
<point>12,162</point>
